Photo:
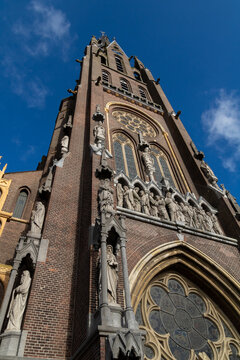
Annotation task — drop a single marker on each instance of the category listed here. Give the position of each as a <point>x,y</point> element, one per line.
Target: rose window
<point>181,322</point>
<point>134,123</point>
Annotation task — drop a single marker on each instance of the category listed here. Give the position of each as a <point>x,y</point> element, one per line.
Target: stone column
<point>103,298</point>
<point>130,316</point>
<point>8,292</point>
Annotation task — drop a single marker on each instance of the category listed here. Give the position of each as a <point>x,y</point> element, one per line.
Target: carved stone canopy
<point>98,116</point>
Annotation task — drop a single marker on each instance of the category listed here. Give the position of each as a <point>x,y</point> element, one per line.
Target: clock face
<point>134,123</point>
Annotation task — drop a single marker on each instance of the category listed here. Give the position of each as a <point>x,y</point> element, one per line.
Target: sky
<point>193,46</point>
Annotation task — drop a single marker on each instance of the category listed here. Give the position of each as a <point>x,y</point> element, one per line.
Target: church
<point>122,244</point>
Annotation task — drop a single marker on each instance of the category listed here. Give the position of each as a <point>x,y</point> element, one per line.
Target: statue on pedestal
<point>209,173</point>
<point>18,303</point>
<point>64,144</point>
<point>112,275</point>
<point>106,198</point>
<point>37,218</point>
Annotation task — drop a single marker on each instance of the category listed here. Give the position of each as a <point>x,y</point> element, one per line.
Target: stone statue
<point>171,206</point>
<point>18,303</point>
<point>179,214</point>
<point>37,218</point>
<point>144,200</point>
<point>208,222</point>
<point>112,275</point>
<point>185,208</point>
<point>136,198</point>
<point>64,144</point>
<point>216,227</point>
<point>99,134</point>
<point>119,194</point>
<point>200,219</point>
<point>153,205</point>
<point>47,186</point>
<point>148,162</point>
<point>128,201</point>
<point>209,173</point>
<point>162,212</point>
<point>106,198</point>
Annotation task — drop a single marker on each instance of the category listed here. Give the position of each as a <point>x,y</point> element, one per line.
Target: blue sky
<point>193,46</point>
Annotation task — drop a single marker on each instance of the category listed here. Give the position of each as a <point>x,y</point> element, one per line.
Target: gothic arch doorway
<point>187,304</point>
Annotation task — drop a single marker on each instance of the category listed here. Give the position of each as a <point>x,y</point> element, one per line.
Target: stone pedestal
<point>115,315</point>
<point>10,343</point>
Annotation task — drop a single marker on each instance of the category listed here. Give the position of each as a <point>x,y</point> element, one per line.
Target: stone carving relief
<point>37,219</point>
<point>166,205</point>
<point>47,185</point>
<point>18,303</point>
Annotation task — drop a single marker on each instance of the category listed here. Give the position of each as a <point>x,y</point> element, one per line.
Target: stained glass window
<point>124,155</point>
<point>20,204</point>
<point>162,168</point>
<point>181,321</point>
<point>134,123</point>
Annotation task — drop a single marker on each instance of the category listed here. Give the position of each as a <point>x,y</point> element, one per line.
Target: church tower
<point>122,244</point>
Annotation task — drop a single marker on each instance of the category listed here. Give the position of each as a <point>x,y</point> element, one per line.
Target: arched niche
<point>200,277</point>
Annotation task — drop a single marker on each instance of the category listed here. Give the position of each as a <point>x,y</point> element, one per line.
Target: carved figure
<point>185,208</point>
<point>47,186</point>
<point>209,173</point>
<point>106,198</point>
<point>112,275</point>
<point>162,212</point>
<point>148,162</point>
<point>171,206</point>
<point>37,218</point>
<point>99,134</point>
<point>64,144</point>
<point>208,221</point>
<point>200,219</point>
<point>136,198</point>
<point>18,303</point>
<point>128,200</point>
<point>216,227</point>
<point>120,195</point>
<point>179,214</point>
<point>153,205</point>
<point>144,200</point>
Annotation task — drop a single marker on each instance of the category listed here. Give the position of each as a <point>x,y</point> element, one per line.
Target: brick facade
<point>62,308</point>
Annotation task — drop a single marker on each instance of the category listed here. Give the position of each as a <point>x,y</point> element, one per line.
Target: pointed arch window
<point>162,167</point>
<point>103,60</point>
<point>106,77</point>
<point>20,204</point>
<point>181,322</point>
<point>125,85</point>
<point>137,75</point>
<point>119,63</point>
<point>143,93</point>
<point>125,157</point>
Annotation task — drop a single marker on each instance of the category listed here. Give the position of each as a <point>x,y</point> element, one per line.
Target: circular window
<point>134,123</point>
<point>182,322</point>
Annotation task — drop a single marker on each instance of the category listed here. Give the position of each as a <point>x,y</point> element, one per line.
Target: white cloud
<point>43,29</point>
<point>32,90</point>
<point>222,122</point>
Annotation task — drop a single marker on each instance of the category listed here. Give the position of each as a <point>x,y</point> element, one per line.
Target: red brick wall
<point>13,230</point>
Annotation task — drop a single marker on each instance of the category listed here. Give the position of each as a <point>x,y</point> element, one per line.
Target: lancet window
<point>181,322</point>
<point>125,158</point>
<point>106,76</point>
<point>162,167</point>
<point>20,204</point>
<point>125,85</point>
<point>143,92</point>
<point>119,63</point>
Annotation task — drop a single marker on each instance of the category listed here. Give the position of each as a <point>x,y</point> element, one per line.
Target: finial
<point>3,170</point>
